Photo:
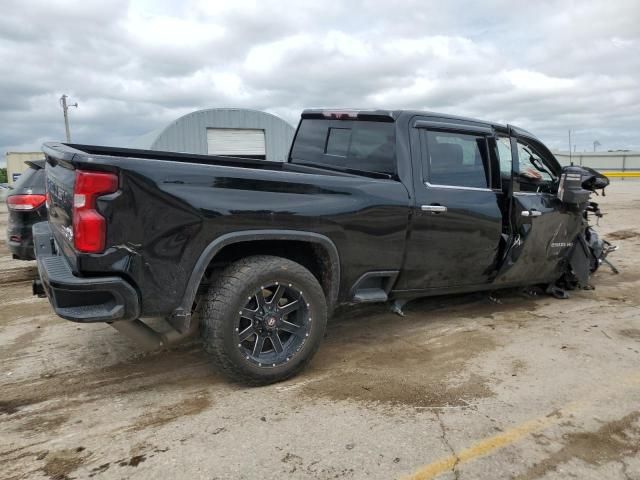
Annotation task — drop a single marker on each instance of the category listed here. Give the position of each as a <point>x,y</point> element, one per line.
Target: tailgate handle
<point>531,213</point>
<point>433,208</point>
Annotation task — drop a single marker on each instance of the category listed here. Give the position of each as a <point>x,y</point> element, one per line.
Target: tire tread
<point>218,304</point>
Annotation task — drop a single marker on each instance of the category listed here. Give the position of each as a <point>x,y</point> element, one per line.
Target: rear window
<point>347,145</point>
<point>31,179</point>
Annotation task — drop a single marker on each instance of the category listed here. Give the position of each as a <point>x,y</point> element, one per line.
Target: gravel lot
<point>462,387</point>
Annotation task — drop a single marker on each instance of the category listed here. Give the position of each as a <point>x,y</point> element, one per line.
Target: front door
<point>543,229</point>
<point>456,225</point>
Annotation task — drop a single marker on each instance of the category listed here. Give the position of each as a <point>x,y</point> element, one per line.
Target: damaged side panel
<point>580,262</point>
<point>544,232</point>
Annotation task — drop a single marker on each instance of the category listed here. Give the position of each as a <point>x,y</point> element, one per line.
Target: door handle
<point>531,213</point>
<point>433,208</point>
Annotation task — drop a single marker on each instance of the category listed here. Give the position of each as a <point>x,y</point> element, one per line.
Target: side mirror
<point>594,180</point>
<point>578,183</point>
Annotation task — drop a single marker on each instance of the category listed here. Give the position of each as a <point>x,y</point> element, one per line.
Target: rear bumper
<point>19,231</point>
<point>81,299</point>
<point>20,242</point>
<point>20,251</point>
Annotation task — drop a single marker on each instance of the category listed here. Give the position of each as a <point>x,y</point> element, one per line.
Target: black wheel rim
<point>273,325</point>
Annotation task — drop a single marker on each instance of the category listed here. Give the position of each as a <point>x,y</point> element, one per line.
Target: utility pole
<point>570,158</point>
<point>65,108</point>
<point>596,144</point>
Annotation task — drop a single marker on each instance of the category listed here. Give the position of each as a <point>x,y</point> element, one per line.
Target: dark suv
<point>26,203</point>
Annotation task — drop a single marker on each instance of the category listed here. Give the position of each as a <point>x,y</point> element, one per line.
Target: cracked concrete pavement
<point>462,387</point>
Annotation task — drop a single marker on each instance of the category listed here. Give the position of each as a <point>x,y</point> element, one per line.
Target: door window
<point>533,174</point>
<point>457,159</point>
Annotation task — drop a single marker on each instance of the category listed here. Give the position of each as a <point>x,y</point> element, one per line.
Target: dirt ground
<point>462,387</point>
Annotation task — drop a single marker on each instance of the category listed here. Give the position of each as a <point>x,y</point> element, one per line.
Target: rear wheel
<point>263,319</point>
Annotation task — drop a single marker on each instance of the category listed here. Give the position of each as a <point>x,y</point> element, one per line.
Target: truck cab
<point>482,196</point>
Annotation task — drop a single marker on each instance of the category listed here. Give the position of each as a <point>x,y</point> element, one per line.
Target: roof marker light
<point>340,115</point>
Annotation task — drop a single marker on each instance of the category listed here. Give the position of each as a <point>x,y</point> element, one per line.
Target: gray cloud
<point>136,65</point>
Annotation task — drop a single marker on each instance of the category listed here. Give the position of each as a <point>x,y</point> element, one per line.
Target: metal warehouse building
<point>224,131</point>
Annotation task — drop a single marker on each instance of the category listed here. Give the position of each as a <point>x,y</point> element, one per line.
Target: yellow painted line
<point>634,174</point>
<point>488,445</point>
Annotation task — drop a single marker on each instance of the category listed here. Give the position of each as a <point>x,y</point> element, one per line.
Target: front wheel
<point>263,319</point>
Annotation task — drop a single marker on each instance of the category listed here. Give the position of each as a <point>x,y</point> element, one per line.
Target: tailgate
<point>60,180</point>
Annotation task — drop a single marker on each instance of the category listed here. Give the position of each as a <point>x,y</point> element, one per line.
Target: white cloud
<point>161,31</point>
<point>268,57</point>
<point>531,81</point>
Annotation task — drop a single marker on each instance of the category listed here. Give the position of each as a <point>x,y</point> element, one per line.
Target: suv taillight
<point>25,202</point>
<point>89,227</point>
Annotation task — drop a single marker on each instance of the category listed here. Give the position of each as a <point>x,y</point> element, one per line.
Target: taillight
<point>89,227</point>
<point>25,202</point>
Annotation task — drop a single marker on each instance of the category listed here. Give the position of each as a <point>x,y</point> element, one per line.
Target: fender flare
<point>180,318</point>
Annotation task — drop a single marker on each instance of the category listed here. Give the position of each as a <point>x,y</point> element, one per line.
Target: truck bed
<point>171,206</point>
<point>68,151</point>
<point>252,161</point>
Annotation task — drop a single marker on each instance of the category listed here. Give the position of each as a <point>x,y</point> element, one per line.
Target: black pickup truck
<point>371,206</point>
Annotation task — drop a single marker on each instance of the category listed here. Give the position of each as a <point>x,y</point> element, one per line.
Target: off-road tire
<point>228,294</point>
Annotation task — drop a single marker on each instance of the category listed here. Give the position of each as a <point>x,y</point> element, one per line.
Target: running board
<point>370,295</point>
<point>374,287</point>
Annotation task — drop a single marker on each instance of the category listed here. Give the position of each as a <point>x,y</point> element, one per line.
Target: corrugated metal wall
<point>189,133</point>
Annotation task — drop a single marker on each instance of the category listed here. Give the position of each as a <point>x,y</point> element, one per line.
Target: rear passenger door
<point>457,222</point>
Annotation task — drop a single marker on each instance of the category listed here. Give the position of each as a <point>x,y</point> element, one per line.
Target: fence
<point>612,164</point>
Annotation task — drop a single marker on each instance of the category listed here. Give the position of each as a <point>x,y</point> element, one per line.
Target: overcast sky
<point>134,66</point>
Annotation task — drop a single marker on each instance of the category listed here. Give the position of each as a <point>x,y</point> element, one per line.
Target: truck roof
<point>394,115</point>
